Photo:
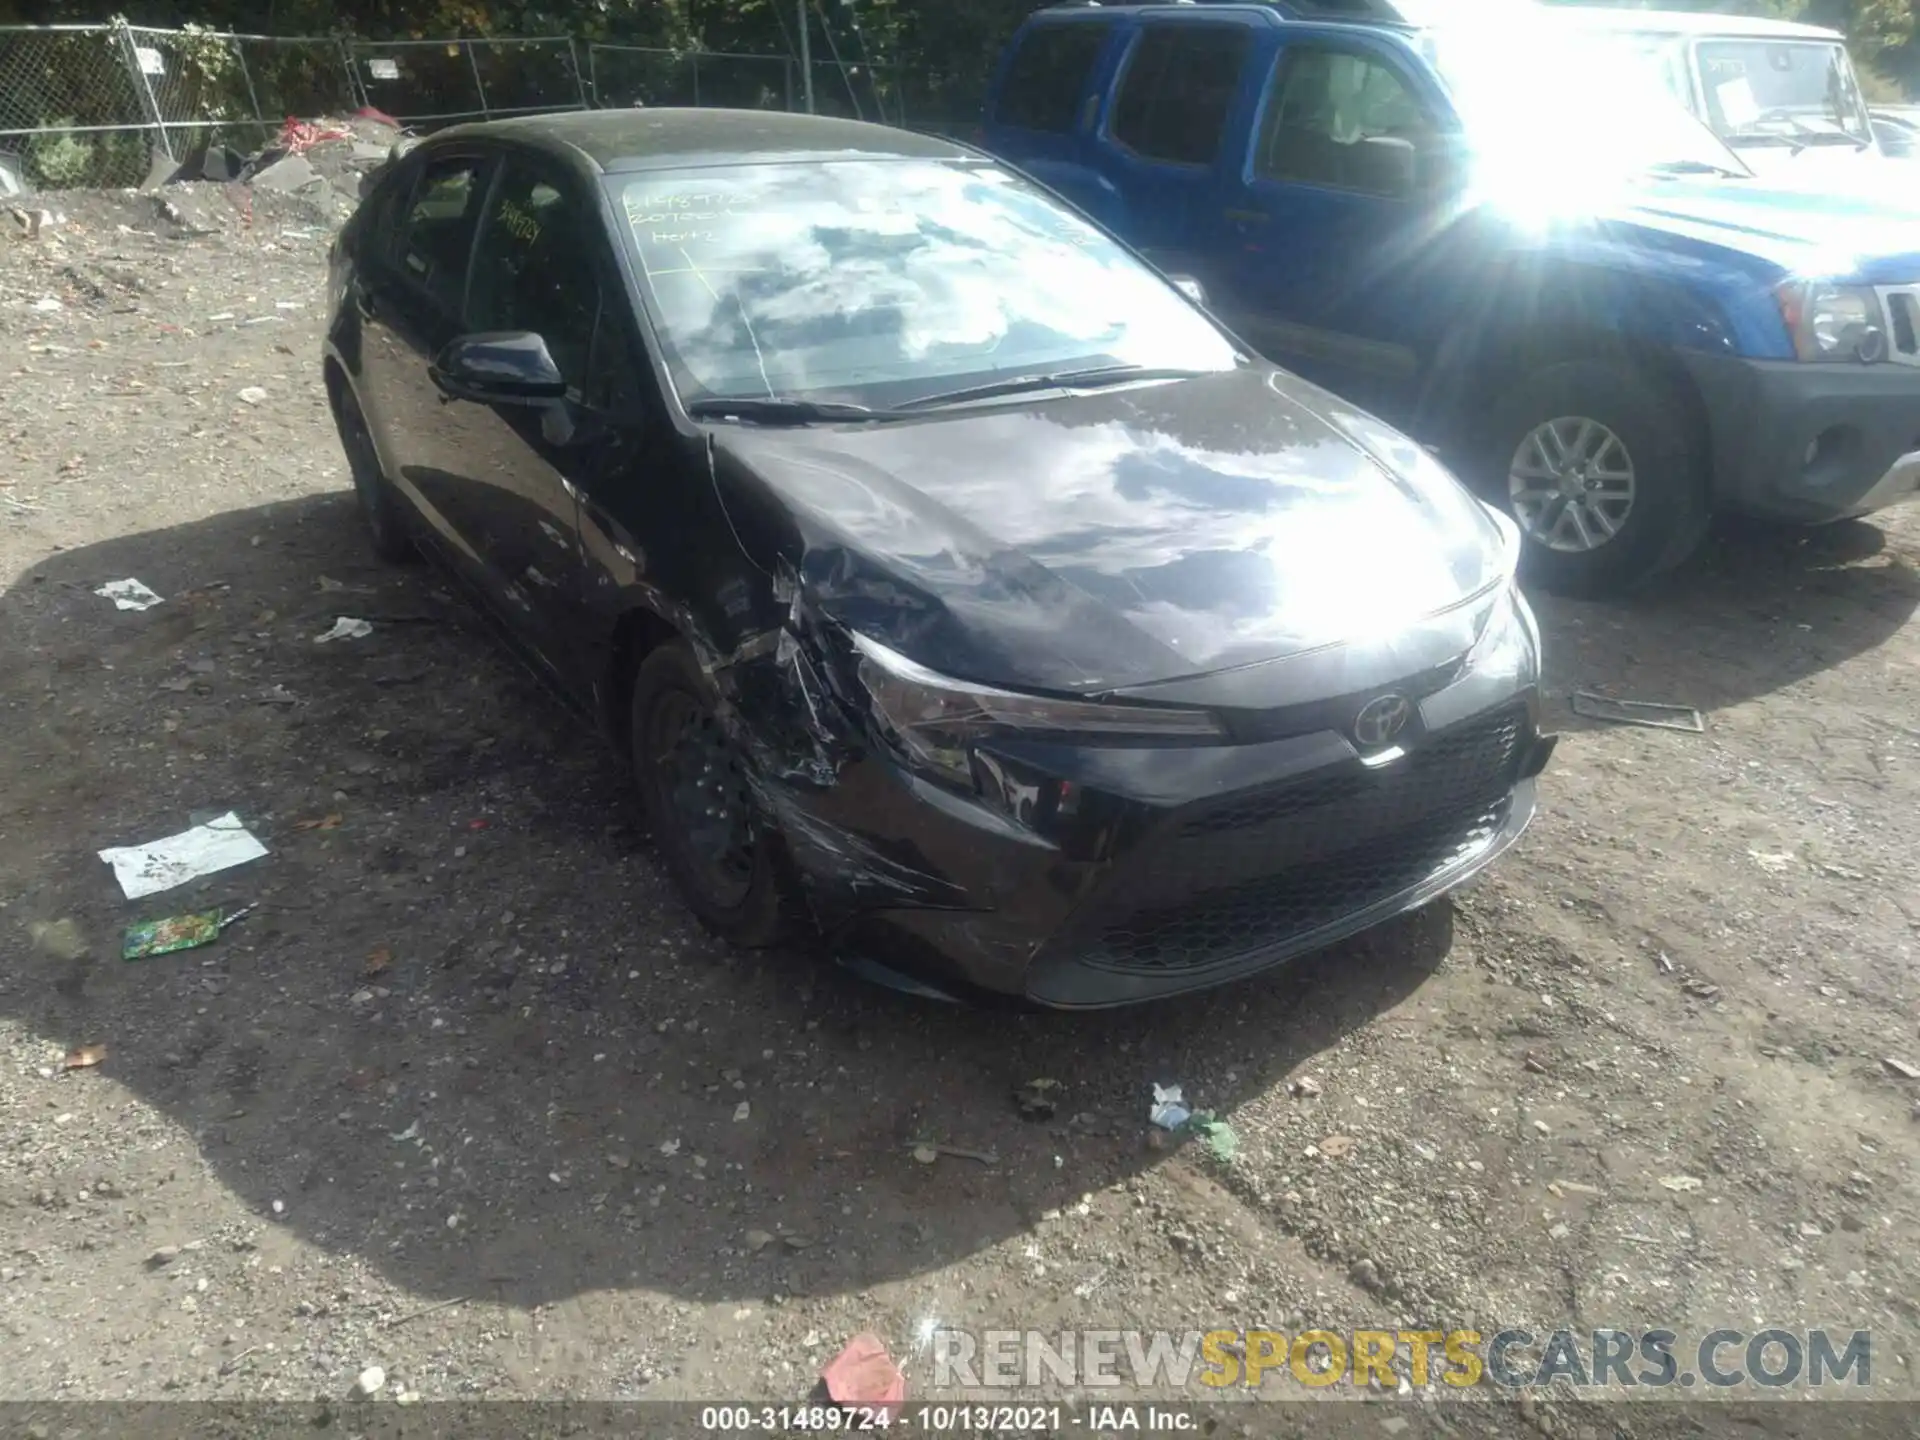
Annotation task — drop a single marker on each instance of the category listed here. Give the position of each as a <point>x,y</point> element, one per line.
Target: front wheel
<point>1605,476</point>
<point>707,822</point>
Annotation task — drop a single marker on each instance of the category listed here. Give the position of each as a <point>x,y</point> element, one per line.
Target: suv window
<point>534,268</point>
<point>1179,85</point>
<point>1340,119</point>
<point>1048,75</point>
<point>439,226</point>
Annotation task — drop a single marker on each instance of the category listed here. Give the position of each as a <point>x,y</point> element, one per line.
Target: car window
<point>1177,90</point>
<point>878,281</point>
<point>439,226</point>
<point>1341,119</point>
<point>1048,75</point>
<point>533,268</point>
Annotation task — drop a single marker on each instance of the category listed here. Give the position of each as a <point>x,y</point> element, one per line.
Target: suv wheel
<point>707,824</point>
<point>1605,476</point>
<point>379,507</point>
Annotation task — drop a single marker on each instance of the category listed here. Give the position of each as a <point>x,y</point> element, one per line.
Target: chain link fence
<point>425,82</point>
<point>622,75</point>
<point>94,105</point>
<point>70,110</point>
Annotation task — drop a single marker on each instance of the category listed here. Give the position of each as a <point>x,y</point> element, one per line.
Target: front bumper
<point>1810,443</point>
<point>1084,876</point>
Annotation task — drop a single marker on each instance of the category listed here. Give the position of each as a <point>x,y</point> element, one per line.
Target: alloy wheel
<point>1571,482</point>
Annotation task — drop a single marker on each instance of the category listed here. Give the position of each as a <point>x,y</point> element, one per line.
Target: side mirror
<point>509,368</point>
<point>1189,287</point>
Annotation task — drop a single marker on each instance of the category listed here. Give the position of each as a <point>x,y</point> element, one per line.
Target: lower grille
<point>1245,875</point>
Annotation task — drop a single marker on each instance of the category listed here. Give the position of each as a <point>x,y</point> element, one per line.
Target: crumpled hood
<point>1808,225</point>
<point>1116,538</point>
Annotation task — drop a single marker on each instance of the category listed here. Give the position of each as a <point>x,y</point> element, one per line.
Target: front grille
<point>1903,314</point>
<point>1221,925</point>
<point>1243,875</point>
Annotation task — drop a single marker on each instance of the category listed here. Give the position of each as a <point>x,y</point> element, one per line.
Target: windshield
<point>878,281</point>
<point>1771,92</point>
<point>1541,100</point>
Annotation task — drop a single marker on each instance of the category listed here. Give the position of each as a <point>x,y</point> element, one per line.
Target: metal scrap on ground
<point>1650,713</point>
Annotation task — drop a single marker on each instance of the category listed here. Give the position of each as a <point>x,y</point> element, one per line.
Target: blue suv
<point>1510,241</point>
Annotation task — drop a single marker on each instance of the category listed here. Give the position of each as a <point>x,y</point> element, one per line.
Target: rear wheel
<point>708,824</point>
<point>1604,474</point>
<point>386,524</point>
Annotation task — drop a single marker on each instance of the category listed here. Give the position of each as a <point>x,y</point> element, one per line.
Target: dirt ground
<point>470,1053</point>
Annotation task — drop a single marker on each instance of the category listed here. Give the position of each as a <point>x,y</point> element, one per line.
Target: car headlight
<point>1510,644</point>
<point>937,719</point>
<point>1833,322</point>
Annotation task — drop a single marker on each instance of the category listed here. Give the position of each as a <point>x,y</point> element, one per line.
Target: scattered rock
<point>163,1257</point>
<point>758,1240</point>
<point>1682,1182</point>
<point>370,1382</point>
<point>1305,1088</point>
<point>253,395</point>
<point>1900,1067</point>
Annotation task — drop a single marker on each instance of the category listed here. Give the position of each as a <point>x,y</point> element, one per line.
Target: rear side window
<point>1178,89</point>
<point>439,227</point>
<point>1048,77</point>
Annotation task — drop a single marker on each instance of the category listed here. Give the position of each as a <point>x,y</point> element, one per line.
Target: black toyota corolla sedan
<point>963,594</point>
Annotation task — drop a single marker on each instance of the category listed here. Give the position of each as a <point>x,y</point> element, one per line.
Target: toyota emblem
<point>1380,719</point>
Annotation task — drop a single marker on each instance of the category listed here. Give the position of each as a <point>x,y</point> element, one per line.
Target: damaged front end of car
<point>1118,843</point>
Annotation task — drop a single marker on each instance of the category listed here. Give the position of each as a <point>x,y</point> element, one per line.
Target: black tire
<point>387,528</point>
<point>744,898</point>
<point>1666,455</point>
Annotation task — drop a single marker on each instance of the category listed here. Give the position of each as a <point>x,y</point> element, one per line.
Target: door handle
<point>1247,217</point>
<point>362,300</point>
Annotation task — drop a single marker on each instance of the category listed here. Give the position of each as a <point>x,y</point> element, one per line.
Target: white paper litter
<point>128,595</point>
<point>160,865</point>
<point>1169,1110</point>
<point>345,628</point>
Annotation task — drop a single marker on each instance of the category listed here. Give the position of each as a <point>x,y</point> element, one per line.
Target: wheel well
<point>336,382</point>
<point>1505,360</point>
<point>638,634</point>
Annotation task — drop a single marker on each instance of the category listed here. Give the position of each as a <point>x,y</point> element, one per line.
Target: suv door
<point>1179,98</point>
<point>1343,260</point>
<point>1046,103</point>
<point>409,292</point>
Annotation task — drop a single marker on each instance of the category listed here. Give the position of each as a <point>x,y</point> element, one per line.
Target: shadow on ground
<point>1759,609</point>
<point>470,1036</point>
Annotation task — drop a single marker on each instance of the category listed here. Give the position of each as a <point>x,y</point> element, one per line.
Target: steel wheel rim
<point>1571,483</point>
<point>700,776</point>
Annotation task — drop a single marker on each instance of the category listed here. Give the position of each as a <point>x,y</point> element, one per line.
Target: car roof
<point>615,141</point>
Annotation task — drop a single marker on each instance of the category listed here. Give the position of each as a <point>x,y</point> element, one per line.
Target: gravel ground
<point>469,1096</point>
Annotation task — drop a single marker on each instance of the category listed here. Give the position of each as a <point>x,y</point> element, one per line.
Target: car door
<point>1179,94</point>
<point>541,265</point>
<point>409,306</point>
<point>1344,246</point>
